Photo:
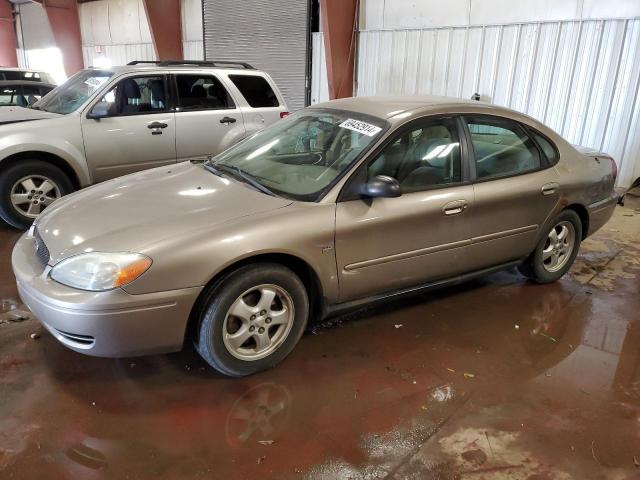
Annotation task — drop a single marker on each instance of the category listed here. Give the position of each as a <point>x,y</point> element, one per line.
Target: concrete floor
<point>494,379</point>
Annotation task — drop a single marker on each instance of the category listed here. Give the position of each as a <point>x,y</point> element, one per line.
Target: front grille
<point>42,252</point>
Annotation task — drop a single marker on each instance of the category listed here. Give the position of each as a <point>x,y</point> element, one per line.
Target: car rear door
<point>208,119</point>
<point>135,129</point>
<point>515,190</point>
<point>387,244</point>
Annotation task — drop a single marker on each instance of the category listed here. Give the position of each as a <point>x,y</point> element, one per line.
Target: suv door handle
<point>154,125</point>
<point>227,120</point>
<point>549,188</point>
<point>455,208</point>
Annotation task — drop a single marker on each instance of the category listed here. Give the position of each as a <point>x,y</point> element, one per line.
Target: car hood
<point>134,212</point>
<point>21,114</point>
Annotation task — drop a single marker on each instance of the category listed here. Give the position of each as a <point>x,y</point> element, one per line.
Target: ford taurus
<point>341,204</point>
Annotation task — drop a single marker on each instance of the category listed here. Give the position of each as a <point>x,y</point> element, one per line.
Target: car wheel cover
<point>558,246</point>
<point>258,322</point>
<point>33,193</point>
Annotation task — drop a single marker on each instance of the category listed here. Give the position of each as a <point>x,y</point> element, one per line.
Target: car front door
<point>387,244</point>
<point>515,190</point>
<point>130,128</point>
<point>208,119</point>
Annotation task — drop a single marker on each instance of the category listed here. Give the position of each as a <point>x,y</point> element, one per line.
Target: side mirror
<point>99,110</point>
<point>381,186</point>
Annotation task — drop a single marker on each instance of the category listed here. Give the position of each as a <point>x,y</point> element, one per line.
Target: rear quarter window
<point>256,90</point>
<point>549,150</point>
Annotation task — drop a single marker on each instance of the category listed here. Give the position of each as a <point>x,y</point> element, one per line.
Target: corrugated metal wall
<point>272,36</point>
<point>319,81</point>
<point>582,78</point>
<point>115,32</point>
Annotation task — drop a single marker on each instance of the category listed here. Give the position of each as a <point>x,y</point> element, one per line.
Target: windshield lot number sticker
<point>361,127</point>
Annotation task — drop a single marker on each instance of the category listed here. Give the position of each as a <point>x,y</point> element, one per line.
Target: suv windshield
<point>302,156</point>
<point>74,92</point>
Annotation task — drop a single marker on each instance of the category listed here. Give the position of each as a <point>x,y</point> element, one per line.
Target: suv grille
<point>42,252</point>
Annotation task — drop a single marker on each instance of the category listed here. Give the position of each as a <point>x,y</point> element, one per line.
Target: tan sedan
<point>341,204</point>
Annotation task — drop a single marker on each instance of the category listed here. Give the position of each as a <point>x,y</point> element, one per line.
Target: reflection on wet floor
<point>498,378</point>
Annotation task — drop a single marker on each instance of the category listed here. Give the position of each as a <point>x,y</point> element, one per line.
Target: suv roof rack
<point>197,63</point>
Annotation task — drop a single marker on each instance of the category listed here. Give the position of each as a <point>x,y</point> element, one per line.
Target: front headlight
<point>98,271</point>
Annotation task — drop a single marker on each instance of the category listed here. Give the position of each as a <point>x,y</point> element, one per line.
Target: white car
<point>104,123</point>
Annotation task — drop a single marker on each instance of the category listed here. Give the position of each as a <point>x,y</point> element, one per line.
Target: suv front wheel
<point>27,188</point>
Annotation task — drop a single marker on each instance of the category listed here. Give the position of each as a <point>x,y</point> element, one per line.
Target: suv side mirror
<point>99,110</point>
<point>381,186</point>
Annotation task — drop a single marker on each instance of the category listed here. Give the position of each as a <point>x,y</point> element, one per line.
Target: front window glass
<point>69,96</point>
<point>425,157</point>
<point>302,156</point>
<point>134,95</point>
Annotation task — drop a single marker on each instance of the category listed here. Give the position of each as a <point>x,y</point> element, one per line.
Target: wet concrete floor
<point>494,379</point>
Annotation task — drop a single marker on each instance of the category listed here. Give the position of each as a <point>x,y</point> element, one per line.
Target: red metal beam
<point>65,25</point>
<point>339,24</point>
<point>166,29</point>
<point>8,55</point>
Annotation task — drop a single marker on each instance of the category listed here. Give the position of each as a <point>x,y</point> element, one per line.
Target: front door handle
<point>455,208</point>
<point>154,125</point>
<point>549,188</point>
<point>227,120</point>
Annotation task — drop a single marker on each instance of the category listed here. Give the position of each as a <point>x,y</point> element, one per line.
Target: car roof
<point>6,83</point>
<point>397,108</point>
<point>15,69</point>
<point>154,67</point>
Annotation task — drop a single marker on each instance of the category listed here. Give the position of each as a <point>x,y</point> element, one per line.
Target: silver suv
<point>103,123</point>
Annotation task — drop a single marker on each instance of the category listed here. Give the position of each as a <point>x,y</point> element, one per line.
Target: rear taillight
<point>284,114</point>
<point>614,169</point>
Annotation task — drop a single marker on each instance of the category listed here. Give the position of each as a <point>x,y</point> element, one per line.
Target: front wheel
<point>252,319</point>
<point>27,188</point>
<point>556,251</point>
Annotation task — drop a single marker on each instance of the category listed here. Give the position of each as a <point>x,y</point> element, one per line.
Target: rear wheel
<point>252,319</point>
<point>556,251</point>
<point>27,188</point>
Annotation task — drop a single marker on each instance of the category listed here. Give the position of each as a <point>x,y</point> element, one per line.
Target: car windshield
<point>74,92</point>
<point>302,156</point>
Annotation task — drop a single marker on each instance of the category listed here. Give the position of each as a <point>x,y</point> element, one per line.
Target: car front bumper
<point>105,324</point>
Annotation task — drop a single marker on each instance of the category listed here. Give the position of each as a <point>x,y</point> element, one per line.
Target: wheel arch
<point>300,267</point>
<point>583,214</point>
<point>47,157</point>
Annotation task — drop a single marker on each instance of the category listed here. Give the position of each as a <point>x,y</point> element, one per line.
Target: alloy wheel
<point>559,246</point>
<point>258,322</point>
<point>31,194</point>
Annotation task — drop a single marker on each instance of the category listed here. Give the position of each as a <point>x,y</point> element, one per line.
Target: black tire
<point>534,268</point>
<point>22,169</point>
<point>219,298</point>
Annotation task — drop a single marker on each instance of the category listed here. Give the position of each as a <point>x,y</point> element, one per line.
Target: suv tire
<point>21,199</point>
<point>251,319</point>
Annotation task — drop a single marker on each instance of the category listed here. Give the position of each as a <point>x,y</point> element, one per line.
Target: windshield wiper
<point>246,177</point>
<point>209,166</point>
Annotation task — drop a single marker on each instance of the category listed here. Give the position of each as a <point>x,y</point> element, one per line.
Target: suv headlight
<point>99,271</point>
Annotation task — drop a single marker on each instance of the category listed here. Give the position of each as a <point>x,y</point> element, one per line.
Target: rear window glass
<point>256,90</point>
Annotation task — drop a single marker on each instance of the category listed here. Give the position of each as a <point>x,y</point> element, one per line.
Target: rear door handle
<point>154,125</point>
<point>549,188</point>
<point>455,208</point>
<point>227,120</point>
